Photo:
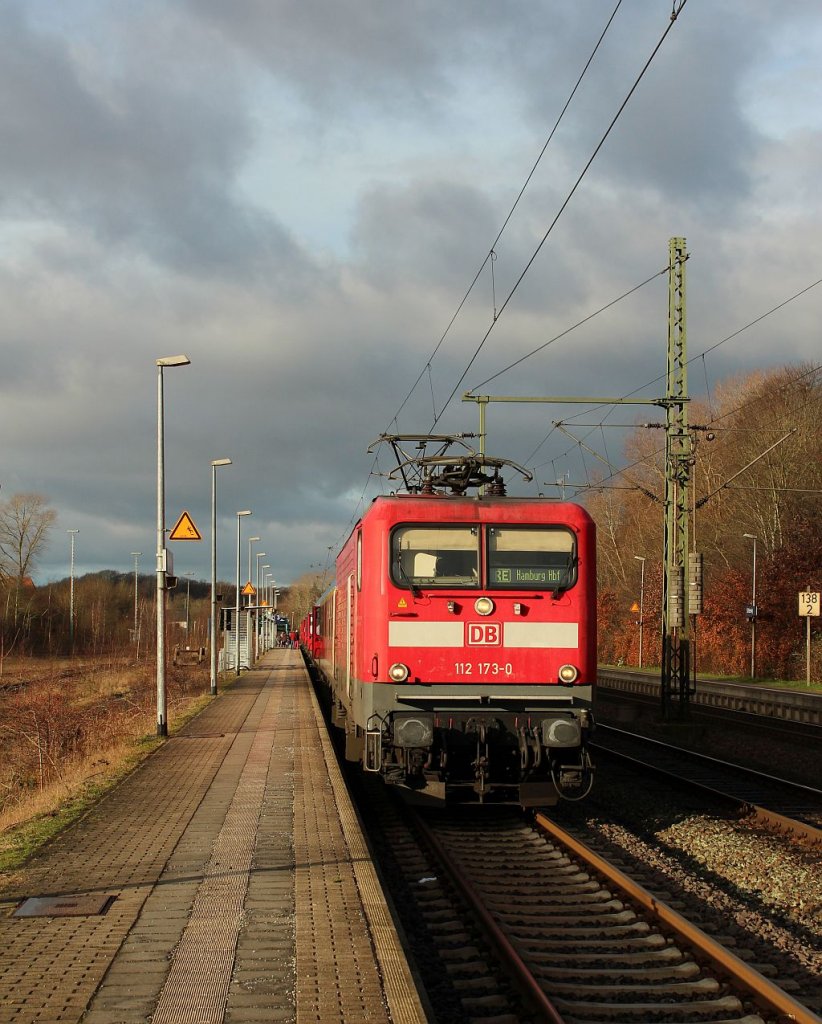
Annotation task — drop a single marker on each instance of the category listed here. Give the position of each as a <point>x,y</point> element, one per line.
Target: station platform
<point>225,880</point>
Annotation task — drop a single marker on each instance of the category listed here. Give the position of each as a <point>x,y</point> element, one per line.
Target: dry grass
<point>69,729</point>
<point>74,778</point>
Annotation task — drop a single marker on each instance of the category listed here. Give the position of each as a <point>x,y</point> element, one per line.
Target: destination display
<point>527,576</point>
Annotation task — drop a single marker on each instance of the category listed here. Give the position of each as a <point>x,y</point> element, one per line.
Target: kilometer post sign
<point>808,607</point>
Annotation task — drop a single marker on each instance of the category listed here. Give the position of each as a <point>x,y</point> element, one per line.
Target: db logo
<point>484,634</point>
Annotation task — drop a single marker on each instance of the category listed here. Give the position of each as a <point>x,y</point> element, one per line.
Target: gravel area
<point>760,890</point>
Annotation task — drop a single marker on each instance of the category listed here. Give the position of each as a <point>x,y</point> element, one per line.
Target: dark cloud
<point>144,153</point>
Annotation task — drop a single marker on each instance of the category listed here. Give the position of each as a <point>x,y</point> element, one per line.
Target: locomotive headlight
<point>568,674</point>
<point>483,606</point>
<point>398,672</point>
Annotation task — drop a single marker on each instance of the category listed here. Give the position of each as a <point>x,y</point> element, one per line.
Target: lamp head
<point>221,462</point>
<point>174,361</point>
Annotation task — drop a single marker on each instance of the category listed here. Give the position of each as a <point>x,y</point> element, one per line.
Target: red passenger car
<point>459,646</point>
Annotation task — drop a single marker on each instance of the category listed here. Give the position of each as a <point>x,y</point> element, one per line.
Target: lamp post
<point>250,620</point>
<point>214,464</point>
<point>162,718</point>
<point>258,555</point>
<point>72,534</point>
<point>640,558</point>
<point>136,555</point>
<point>251,540</point>
<point>189,574</point>
<point>266,616</point>
<point>247,512</point>
<point>750,536</point>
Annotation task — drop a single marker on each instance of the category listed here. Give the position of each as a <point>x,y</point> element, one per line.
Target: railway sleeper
<point>683,990</point>
<point>584,918</point>
<point>695,1010</point>
<point>686,970</point>
<point>671,956</point>
<point>590,938</point>
<point>665,1019</point>
<point>599,899</point>
<point>527,890</point>
<point>490,872</point>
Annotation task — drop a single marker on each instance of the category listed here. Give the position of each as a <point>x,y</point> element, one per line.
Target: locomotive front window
<point>435,556</point>
<point>531,558</point>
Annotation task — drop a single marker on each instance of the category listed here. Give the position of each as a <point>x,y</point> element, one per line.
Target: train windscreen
<point>435,556</point>
<point>527,557</point>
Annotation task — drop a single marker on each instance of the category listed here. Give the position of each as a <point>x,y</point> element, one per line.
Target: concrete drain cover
<point>65,906</point>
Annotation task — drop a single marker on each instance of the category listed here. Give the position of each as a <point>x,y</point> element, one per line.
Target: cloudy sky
<point>298,195</point>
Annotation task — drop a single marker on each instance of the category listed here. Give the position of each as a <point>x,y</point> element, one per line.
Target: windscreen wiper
<point>565,579</point>
<point>411,586</point>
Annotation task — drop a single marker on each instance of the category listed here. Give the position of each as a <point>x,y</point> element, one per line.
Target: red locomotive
<point>458,643</point>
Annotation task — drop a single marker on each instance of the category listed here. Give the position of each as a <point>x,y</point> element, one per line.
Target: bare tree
<point>25,521</point>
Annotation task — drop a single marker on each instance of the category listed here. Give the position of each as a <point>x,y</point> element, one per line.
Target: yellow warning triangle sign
<point>248,590</point>
<point>185,529</point>
<point>634,607</point>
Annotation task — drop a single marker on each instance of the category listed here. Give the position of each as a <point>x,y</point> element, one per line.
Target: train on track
<point>457,645</point>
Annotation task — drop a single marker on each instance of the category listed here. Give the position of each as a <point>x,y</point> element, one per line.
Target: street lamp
<point>251,540</point>
<point>247,512</point>
<point>136,555</point>
<point>72,534</point>
<point>190,573</point>
<point>258,555</point>
<point>640,558</point>
<point>162,717</point>
<point>266,617</point>
<point>750,536</point>
<point>214,464</point>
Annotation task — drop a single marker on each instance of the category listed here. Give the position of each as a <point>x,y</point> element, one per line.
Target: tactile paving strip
<point>197,985</point>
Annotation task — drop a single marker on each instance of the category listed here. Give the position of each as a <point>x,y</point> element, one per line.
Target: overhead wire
<point>593,408</point>
<point>715,346</point>
<point>491,255</point>
<point>563,206</point>
<point>751,401</point>
<point>579,323</point>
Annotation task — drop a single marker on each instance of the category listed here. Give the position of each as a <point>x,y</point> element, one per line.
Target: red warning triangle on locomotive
<point>185,529</point>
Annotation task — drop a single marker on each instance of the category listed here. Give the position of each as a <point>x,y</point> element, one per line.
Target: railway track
<point>516,921</point>
<point>753,705</point>
<point>779,802</point>
<point>585,943</point>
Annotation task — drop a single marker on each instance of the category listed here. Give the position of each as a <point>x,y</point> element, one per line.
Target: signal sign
<point>185,529</point>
